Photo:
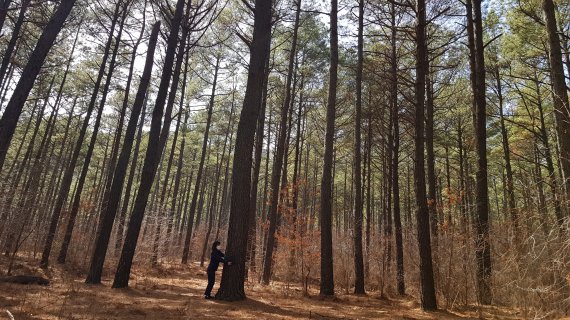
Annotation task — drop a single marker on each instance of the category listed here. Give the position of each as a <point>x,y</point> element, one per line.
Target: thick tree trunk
<point>430,155</point>
<point>232,285</point>
<point>259,134</point>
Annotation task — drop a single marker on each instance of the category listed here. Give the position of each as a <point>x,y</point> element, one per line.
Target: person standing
<point>216,258</point>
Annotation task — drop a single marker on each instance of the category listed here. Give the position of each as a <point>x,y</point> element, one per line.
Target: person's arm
<point>220,256</point>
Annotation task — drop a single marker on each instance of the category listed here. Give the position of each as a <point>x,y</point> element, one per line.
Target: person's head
<point>216,245</point>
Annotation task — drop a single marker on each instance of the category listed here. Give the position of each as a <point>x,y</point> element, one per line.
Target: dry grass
<point>175,292</point>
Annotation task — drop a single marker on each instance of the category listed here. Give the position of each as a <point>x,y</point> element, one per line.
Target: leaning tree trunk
<point>28,76</point>
<point>428,297</point>
<point>68,175</point>
<point>4,12</point>
<point>83,175</point>
<point>232,284</point>
<point>153,153</point>
<point>13,39</point>
<point>130,180</point>
<point>327,272</point>
<point>108,212</point>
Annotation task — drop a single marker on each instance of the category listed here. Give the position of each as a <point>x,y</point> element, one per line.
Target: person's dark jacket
<point>216,258</point>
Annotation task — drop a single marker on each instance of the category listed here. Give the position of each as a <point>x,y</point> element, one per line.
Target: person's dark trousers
<point>211,281</point>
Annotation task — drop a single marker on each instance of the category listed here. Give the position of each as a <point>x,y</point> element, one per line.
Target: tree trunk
<point>130,179</point>
<point>256,168</point>
<point>395,160</point>
<point>482,244</point>
<point>358,214</point>
<point>560,93</point>
<point>232,284</point>
<point>28,76</point>
<point>428,297</point>
<point>68,175</point>
<point>506,154</point>
<point>83,176</point>
<point>430,153</point>
<point>280,154</point>
<point>327,274</point>
<point>187,241</point>
<point>154,150</point>
<point>12,43</point>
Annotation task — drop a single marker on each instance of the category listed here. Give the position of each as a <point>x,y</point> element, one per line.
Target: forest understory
<point>173,291</point>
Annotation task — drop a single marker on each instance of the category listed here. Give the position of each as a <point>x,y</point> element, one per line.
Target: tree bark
<point>428,297</point>
<point>357,166</point>
<point>327,272</point>
<point>232,284</point>
<point>395,156</point>
<point>482,244</point>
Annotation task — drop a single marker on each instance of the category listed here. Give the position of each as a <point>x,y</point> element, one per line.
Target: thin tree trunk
<point>327,274</point>
<point>428,297</point>
<point>83,176</point>
<point>280,154</point>
<point>197,185</point>
<point>357,175</point>
<point>482,242</point>
<point>506,154</point>
<point>395,160</point>
<point>68,176</point>
<point>13,39</point>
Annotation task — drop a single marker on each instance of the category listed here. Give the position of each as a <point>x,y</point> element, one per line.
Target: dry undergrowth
<point>175,292</point>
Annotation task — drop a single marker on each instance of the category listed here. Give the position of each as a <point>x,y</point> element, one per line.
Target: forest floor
<point>176,292</point>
